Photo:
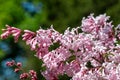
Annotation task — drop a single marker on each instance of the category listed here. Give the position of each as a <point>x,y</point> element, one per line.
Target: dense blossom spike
<point>93,54</point>
<point>11,30</point>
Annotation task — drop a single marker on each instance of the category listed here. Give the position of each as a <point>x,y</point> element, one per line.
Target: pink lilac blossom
<point>11,30</point>
<point>49,75</point>
<point>10,63</point>
<point>72,68</point>
<point>24,76</point>
<point>93,54</point>
<point>18,68</point>
<point>33,75</point>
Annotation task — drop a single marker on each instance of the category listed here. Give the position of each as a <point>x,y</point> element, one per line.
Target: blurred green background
<point>31,14</point>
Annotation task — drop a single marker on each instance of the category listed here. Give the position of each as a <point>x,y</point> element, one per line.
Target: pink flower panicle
<point>18,65</point>
<point>92,54</point>
<point>32,75</point>
<point>11,30</point>
<point>18,68</point>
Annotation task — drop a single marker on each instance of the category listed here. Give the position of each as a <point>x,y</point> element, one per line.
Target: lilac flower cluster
<point>18,68</point>
<point>93,54</point>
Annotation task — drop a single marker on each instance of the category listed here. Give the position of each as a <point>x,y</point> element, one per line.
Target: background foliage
<point>31,14</point>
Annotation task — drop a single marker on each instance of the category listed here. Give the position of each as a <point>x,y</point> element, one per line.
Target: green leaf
<point>89,65</point>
